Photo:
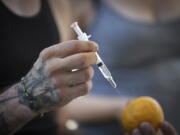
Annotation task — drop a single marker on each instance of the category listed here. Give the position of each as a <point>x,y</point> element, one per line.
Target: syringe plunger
<point>102,67</point>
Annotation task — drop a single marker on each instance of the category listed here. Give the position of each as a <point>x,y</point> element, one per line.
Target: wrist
<point>37,99</point>
<point>25,99</point>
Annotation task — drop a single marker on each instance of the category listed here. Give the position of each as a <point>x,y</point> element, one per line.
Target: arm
<point>13,114</point>
<point>93,108</point>
<point>49,84</point>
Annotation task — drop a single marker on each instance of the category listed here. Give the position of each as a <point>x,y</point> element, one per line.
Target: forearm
<point>94,108</point>
<point>13,114</point>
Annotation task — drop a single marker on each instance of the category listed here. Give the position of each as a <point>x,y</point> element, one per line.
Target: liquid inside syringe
<point>102,67</point>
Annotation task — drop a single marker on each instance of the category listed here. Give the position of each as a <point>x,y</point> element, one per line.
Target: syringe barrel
<point>83,37</point>
<point>99,60</point>
<point>104,70</point>
<point>78,30</point>
<point>102,67</point>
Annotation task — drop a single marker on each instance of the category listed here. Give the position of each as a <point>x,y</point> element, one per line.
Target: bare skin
<point>24,8</point>
<point>93,108</point>
<point>147,11</point>
<point>51,83</point>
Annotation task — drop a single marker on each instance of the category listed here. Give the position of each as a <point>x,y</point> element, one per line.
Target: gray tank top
<point>144,59</point>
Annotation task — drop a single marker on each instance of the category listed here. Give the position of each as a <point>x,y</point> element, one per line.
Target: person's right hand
<point>51,82</point>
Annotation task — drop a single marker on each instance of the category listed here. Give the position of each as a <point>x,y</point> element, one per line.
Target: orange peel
<point>142,109</point>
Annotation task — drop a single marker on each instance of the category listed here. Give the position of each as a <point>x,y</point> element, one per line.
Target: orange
<point>142,109</point>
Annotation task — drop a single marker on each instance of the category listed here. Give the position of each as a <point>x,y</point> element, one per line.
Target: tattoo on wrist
<point>36,90</point>
<point>8,99</point>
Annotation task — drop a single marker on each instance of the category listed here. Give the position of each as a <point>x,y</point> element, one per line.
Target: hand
<point>146,129</point>
<point>51,82</point>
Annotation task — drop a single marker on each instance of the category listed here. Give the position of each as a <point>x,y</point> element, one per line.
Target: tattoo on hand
<point>37,91</point>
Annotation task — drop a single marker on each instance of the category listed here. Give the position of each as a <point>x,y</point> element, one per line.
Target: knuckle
<point>58,81</point>
<point>54,82</point>
<point>44,53</point>
<point>52,65</point>
<point>77,46</point>
<point>63,94</point>
<point>84,60</point>
<point>48,68</point>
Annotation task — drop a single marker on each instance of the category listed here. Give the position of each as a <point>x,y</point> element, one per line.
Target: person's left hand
<point>147,129</point>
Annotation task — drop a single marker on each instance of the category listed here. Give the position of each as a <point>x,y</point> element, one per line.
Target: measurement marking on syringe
<point>102,67</point>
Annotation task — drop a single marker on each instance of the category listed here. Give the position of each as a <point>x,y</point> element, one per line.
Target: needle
<point>102,67</point>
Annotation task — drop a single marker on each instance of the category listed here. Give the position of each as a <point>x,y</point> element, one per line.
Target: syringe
<point>102,67</point>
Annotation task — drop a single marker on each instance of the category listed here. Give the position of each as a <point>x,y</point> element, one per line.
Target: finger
<point>136,132</point>
<point>73,78</point>
<point>76,61</point>
<point>167,128</point>
<point>70,93</point>
<point>79,61</point>
<point>69,48</point>
<point>147,129</point>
